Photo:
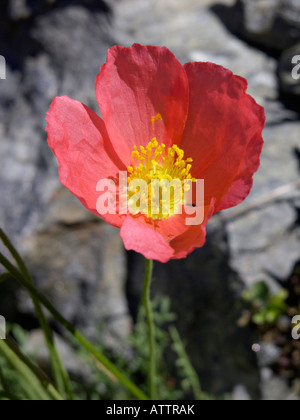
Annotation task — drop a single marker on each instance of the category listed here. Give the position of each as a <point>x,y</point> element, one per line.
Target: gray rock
<point>272,23</point>
<point>81,268</point>
<point>36,348</point>
<point>260,14</point>
<point>277,389</point>
<point>79,262</point>
<point>268,354</point>
<point>264,242</point>
<point>240,393</point>
<point>78,49</point>
<point>18,9</point>
<point>75,259</point>
<point>194,33</point>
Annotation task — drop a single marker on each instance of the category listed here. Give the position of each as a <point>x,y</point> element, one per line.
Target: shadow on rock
<point>17,18</point>
<point>272,27</point>
<point>203,291</point>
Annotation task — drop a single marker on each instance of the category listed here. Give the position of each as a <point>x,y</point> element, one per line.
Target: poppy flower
<point>160,119</point>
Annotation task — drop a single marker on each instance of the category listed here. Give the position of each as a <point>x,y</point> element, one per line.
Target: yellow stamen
<point>158,163</point>
<point>157,117</point>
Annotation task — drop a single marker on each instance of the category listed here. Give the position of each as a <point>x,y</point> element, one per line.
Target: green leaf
<point>272,315</point>
<point>259,292</point>
<point>69,327</point>
<point>190,379</point>
<point>259,318</point>
<point>59,372</point>
<point>28,381</point>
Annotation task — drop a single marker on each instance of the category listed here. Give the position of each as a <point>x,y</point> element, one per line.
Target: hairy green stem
<point>151,329</point>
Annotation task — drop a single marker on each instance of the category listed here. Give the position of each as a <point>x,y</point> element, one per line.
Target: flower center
<point>164,172</point>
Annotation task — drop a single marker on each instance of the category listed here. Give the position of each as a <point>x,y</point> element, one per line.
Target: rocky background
<point>55,47</point>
